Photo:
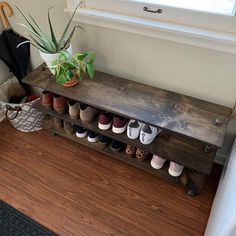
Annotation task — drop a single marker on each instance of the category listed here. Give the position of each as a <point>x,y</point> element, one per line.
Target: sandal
<point>141,155</point>
<point>130,150</point>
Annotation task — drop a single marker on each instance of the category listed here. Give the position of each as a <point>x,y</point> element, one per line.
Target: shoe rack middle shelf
<point>190,153</point>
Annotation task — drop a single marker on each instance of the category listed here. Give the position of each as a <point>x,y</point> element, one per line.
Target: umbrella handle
<point>5,6</point>
<point>9,108</point>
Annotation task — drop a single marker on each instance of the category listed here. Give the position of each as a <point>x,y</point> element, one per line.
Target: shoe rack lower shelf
<point>121,156</point>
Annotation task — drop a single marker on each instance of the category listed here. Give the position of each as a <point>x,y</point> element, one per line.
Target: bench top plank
<point>174,112</point>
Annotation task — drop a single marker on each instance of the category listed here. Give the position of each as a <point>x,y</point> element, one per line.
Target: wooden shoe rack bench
<point>192,129</point>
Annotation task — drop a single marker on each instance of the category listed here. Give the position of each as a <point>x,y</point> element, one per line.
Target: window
<point>214,6</point>
<point>212,14</point>
<point>209,23</point>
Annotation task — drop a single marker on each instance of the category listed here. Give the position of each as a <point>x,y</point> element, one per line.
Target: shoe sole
<point>174,174</point>
<point>104,127</point>
<point>47,106</point>
<point>147,142</point>
<point>60,111</point>
<point>118,130</point>
<point>102,145</point>
<point>86,122</point>
<point>92,140</point>
<point>73,117</point>
<point>155,166</point>
<point>79,135</point>
<point>115,150</point>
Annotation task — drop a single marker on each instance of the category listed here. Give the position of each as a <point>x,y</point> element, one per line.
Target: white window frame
<point>204,29</point>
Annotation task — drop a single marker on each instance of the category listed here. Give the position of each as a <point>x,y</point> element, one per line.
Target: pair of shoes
<point>106,120</point>
<point>57,102</point>
<point>79,110</point>
<point>145,132</point>
<point>132,151</point>
<point>174,170</point>
<point>81,132</point>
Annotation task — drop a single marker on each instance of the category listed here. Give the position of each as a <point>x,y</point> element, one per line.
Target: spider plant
<point>44,42</point>
<point>68,66</point>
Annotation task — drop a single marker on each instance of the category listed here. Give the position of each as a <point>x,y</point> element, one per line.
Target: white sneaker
<point>133,129</point>
<point>175,169</point>
<point>148,134</point>
<point>157,162</point>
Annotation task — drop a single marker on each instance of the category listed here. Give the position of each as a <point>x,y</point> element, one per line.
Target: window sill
<point>221,41</point>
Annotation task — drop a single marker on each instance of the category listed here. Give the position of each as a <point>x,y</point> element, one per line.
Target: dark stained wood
<point>121,156</point>
<point>77,191</point>
<point>171,111</point>
<point>182,150</point>
<point>189,178</point>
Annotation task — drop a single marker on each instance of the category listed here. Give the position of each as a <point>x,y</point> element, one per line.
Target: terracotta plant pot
<point>72,82</point>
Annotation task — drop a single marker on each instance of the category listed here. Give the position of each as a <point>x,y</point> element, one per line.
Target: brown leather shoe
<point>87,113</point>
<point>59,104</point>
<point>47,99</point>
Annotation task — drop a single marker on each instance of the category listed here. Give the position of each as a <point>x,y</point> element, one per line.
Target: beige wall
<point>202,73</point>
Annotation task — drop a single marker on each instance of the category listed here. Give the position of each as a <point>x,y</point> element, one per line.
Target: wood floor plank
<point>74,190</point>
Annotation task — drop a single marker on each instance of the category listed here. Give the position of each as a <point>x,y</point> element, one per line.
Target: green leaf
<point>28,41</point>
<point>33,29</point>
<point>92,58</point>
<point>61,78</point>
<point>42,48</point>
<point>64,55</point>
<point>62,39</point>
<point>26,19</point>
<point>44,35</point>
<point>67,43</point>
<point>54,40</point>
<point>41,39</point>
<point>90,70</point>
<point>80,56</point>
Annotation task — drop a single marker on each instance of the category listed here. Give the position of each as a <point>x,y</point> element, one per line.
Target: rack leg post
<point>193,181</point>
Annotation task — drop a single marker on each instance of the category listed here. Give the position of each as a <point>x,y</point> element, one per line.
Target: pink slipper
<point>175,169</point>
<point>157,162</point>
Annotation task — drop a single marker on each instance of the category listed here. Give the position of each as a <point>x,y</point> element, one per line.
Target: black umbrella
<point>15,58</point>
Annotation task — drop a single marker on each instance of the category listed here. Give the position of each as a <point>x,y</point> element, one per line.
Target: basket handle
<point>9,108</point>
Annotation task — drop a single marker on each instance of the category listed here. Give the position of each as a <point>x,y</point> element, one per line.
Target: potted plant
<point>49,46</point>
<point>70,69</point>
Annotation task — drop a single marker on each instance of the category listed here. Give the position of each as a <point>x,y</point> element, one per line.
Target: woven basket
<point>23,116</point>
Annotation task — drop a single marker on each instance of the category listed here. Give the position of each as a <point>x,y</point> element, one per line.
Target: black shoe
<point>116,146</point>
<point>92,136</point>
<point>103,140</point>
<point>81,132</point>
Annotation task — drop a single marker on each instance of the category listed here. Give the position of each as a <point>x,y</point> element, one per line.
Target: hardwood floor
<point>74,190</point>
